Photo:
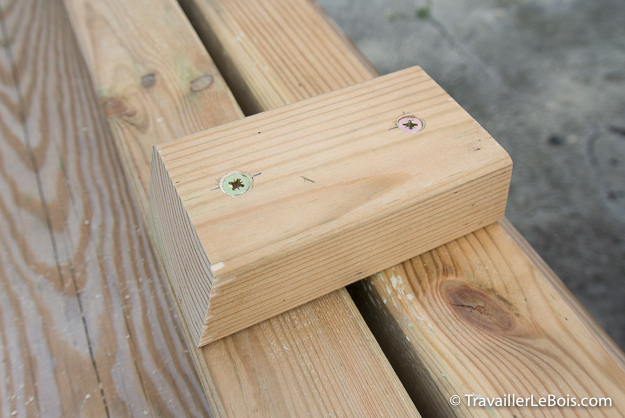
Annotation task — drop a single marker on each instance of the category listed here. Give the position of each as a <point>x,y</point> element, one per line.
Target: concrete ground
<point>547,79</point>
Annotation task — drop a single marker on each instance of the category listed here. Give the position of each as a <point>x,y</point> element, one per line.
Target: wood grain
<point>379,196</point>
<point>277,52</point>
<point>274,36</point>
<point>86,325</point>
<point>477,316</point>
<point>606,341</point>
<point>154,85</point>
<point>316,360</point>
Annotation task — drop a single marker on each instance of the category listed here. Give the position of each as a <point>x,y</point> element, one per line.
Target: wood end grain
<point>185,261</point>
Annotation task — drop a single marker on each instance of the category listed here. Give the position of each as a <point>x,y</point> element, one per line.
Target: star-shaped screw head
<point>236,184</point>
<point>410,124</point>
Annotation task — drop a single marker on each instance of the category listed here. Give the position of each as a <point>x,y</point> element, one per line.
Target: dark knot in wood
<point>480,309</point>
<point>202,82</point>
<point>148,80</point>
<point>114,106</point>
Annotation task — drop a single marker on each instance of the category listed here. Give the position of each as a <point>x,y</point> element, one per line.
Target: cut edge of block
<point>180,248</point>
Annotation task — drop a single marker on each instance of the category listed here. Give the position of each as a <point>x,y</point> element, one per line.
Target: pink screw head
<point>410,124</point>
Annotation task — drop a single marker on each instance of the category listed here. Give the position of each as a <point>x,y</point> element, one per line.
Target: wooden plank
<point>250,35</point>
<point>606,341</point>
<point>27,273</point>
<point>316,360</point>
<point>476,316</point>
<point>154,85</point>
<point>380,195</point>
<point>260,48</point>
<point>86,328</point>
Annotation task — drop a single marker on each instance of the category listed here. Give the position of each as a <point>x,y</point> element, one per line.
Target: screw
<point>235,183</point>
<point>410,124</point>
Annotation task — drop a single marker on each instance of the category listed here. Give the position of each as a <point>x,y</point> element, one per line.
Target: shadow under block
<point>338,193</point>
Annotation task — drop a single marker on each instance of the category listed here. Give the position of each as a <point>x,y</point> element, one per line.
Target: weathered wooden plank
<point>34,295</point>
<point>316,360</point>
<point>247,36</point>
<point>380,195</point>
<point>87,328</point>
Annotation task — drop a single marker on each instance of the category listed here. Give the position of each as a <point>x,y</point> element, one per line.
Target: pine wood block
<point>338,193</point>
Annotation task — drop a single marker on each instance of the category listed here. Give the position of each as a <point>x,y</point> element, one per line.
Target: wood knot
<point>479,308</point>
<point>148,80</point>
<point>114,106</point>
<point>202,82</point>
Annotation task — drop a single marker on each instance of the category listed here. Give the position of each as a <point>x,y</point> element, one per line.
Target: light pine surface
<point>566,295</point>
<point>476,316</point>
<point>319,359</point>
<point>558,345</point>
<point>277,52</point>
<point>152,75</point>
<point>340,193</point>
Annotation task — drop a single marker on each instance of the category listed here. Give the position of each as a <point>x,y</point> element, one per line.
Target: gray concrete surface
<point>547,79</point>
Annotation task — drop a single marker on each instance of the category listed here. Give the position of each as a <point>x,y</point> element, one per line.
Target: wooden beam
<point>86,327</point>
<point>272,38</point>
<point>316,360</point>
<point>476,316</point>
<point>276,52</point>
<point>381,194</point>
<point>154,85</point>
<point>606,341</point>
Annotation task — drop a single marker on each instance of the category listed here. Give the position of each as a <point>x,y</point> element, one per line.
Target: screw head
<point>235,183</point>
<point>410,124</point>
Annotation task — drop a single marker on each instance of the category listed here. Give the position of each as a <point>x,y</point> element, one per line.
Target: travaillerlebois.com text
<point>511,400</point>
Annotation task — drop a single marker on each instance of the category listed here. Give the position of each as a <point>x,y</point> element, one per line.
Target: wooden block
<point>338,192</point>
